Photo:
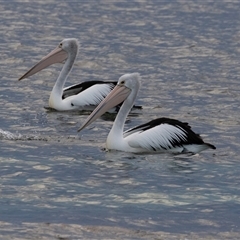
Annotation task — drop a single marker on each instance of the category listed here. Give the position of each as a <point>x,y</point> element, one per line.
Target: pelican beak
<point>58,55</point>
<point>116,96</point>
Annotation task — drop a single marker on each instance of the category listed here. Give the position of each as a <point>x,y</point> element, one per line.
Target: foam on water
<point>17,136</point>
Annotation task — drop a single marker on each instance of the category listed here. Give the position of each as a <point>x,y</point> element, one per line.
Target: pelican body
<point>159,135</point>
<point>83,96</point>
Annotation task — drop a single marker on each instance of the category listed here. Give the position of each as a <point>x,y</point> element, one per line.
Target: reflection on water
<point>57,183</point>
<point>183,165</point>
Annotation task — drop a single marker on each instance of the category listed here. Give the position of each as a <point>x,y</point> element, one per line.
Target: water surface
<point>60,184</point>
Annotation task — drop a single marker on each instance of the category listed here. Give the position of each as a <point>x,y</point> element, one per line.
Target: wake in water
<point>11,136</point>
<point>8,135</point>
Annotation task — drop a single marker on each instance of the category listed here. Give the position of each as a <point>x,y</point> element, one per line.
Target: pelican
<point>158,135</point>
<point>83,96</point>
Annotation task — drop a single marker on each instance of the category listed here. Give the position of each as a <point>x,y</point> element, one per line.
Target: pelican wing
<point>80,87</point>
<point>88,93</point>
<point>162,134</point>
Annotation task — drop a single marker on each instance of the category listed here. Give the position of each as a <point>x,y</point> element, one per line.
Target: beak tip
<point>22,77</point>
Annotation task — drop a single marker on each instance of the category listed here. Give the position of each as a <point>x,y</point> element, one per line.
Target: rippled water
<point>59,184</point>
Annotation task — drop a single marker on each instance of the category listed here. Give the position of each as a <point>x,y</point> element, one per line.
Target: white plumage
<point>158,137</point>
<point>93,95</point>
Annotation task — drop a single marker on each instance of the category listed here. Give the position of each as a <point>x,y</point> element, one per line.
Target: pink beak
<point>58,55</point>
<point>116,96</point>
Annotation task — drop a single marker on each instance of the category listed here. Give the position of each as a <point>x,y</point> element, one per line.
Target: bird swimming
<point>158,135</point>
<point>82,96</point>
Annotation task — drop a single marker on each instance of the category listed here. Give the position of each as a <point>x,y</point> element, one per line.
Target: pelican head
<point>130,80</point>
<point>126,90</point>
<point>58,55</point>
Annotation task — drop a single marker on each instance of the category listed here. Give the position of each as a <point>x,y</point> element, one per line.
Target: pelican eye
<point>60,44</point>
<point>122,82</point>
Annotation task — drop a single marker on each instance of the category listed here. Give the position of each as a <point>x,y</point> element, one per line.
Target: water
<point>60,184</point>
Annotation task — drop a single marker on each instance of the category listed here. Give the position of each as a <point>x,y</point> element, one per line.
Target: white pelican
<point>159,135</point>
<point>83,96</point>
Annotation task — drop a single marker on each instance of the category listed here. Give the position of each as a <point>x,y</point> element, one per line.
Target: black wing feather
<point>191,137</point>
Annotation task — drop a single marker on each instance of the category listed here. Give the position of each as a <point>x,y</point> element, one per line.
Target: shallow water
<point>60,184</point>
